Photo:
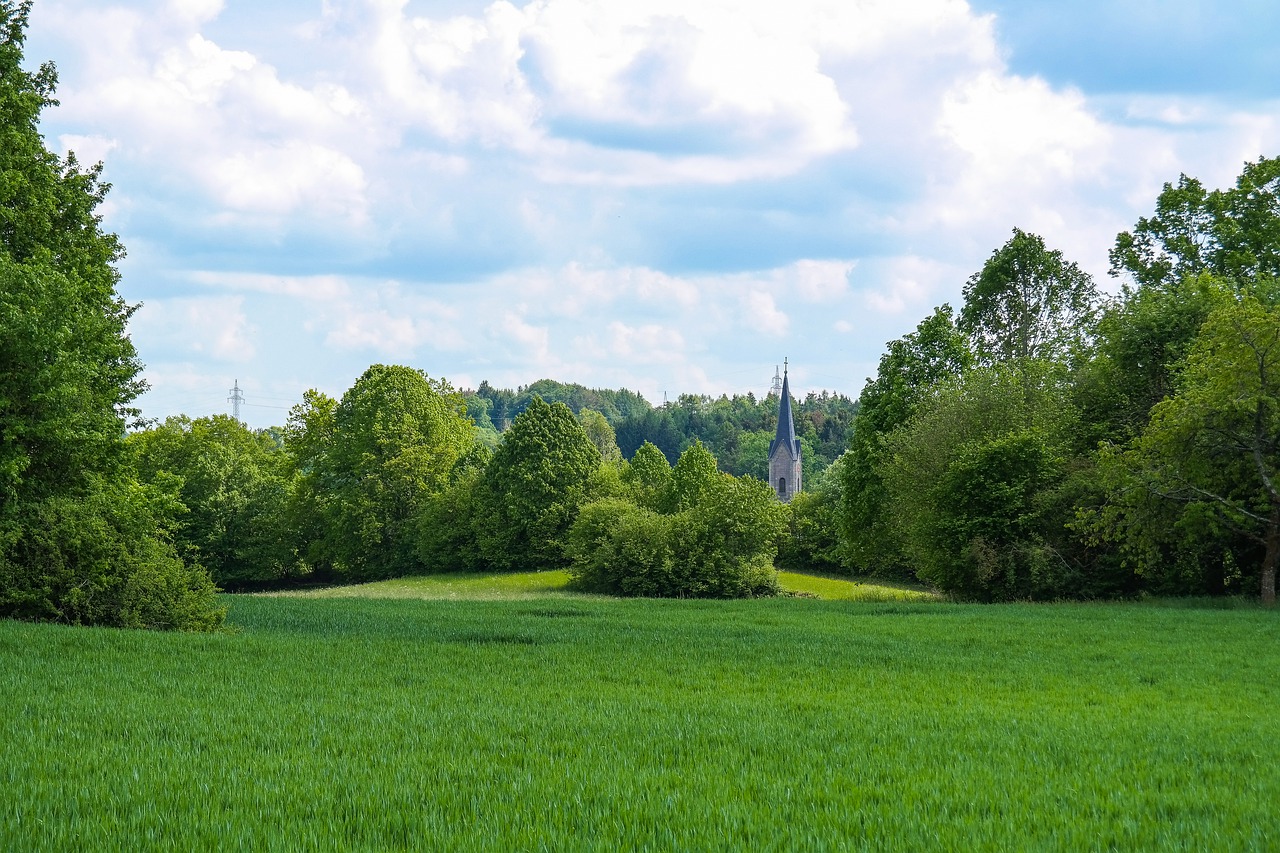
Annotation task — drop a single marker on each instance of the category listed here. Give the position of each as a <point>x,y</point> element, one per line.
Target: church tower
<point>784,450</point>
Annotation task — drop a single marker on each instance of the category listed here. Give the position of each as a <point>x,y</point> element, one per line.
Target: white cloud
<point>908,284</point>
<point>645,344</point>
<point>281,180</point>
<point>762,314</point>
<point>215,326</point>
<point>326,288</point>
<point>817,281</point>
<point>628,193</point>
<point>196,11</point>
<point>378,331</point>
<point>88,149</point>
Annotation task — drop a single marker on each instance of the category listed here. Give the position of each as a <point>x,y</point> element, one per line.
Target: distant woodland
<point>737,429</point>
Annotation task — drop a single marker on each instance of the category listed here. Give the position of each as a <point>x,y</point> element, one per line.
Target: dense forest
<point>1042,441</point>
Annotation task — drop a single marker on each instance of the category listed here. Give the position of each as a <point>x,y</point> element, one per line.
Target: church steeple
<point>784,450</point>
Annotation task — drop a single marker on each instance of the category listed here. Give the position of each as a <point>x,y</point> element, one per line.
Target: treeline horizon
<point>736,428</point>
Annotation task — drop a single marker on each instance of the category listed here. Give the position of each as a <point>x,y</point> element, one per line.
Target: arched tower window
<point>782,487</point>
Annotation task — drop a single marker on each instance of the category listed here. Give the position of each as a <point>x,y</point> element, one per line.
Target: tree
<point>971,483</point>
<point>648,477</point>
<point>908,370</point>
<point>1233,233</point>
<point>532,488</point>
<point>80,540</point>
<point>601,434</point>
<point>1211,452</point>
<point>814,541</point>
<point>692,478</point>
<point>234,485</point>
<point>714,537</point>
<point>446,523</point>
<point>1027,302</point>
<point>1142,340</point>
<point>370,462</point>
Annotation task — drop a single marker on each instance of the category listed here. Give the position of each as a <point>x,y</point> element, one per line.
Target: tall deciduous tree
<point>912,366</point>
<point>532,488</point>
<point>370,462</point>
<point>235,488</point>
<point>1027,302</point>
<point>969,484</point>
<point>80,540</point>
<point>1142,341</point>
<point>1213,449</point>
<point>601,434</point>
<point>1233,233</point>
<point>647,477</point>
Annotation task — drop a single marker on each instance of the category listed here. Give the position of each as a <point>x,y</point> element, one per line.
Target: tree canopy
<point>1233,232</point>
<point>532,488</point>
<point>1027,302</point>
<point>80,540</point>
<point>371,460</point>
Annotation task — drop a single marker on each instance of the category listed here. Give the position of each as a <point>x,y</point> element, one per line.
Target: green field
<point>545,720</point>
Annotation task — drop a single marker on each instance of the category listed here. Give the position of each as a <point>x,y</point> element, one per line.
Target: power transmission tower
<point>777,382</point>
<point>236,398</point>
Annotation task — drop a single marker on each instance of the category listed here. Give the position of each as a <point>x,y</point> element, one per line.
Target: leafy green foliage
<point>1027,302</point>
<point>1232,233</point>
<point>601,434</point>
<point>970,482</point>
<point>693,478</point>
<point>235,486</point>
<point>648,477</point>
<point>1210,457</point>
<point>446,523</point>
<point>707,535</point>
<point>532,488</point>
<point>1142,342</point>
<point>935,351</point>
<point>813,543</point>
<point>79,540</point>
<point>737,430</point>
<point>502,405</point>
<point>98,557</point>
<point>371,461</point>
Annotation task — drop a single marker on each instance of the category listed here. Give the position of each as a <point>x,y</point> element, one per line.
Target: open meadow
<point>541,719</point>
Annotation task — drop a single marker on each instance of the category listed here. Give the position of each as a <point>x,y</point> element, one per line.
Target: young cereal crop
<point>588,723</point>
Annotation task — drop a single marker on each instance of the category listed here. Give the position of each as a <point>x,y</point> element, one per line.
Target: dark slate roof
<point>786,424</point>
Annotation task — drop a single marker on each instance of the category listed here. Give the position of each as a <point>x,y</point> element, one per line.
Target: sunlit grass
<point>846,589</point>
<point>462,586</point>
<point>522,586</point>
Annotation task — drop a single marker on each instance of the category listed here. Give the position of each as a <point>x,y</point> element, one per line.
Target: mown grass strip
<point>474,586</point>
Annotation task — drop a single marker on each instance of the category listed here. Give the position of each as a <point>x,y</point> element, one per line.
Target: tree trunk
<point>1269,559</point>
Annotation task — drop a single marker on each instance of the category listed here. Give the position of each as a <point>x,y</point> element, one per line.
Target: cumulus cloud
<point>214,326</point>
<point>641,193</point>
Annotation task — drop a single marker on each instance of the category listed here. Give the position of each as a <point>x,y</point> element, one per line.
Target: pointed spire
<point>786,424</point>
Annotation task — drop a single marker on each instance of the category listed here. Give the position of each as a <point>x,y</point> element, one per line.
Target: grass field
<point>556,722</point>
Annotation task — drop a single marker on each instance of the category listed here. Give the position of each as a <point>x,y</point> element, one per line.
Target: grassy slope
<point>669,724</point>
<point>474,586</point>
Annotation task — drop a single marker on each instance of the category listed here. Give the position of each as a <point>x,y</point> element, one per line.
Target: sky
<point>669,196</point>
